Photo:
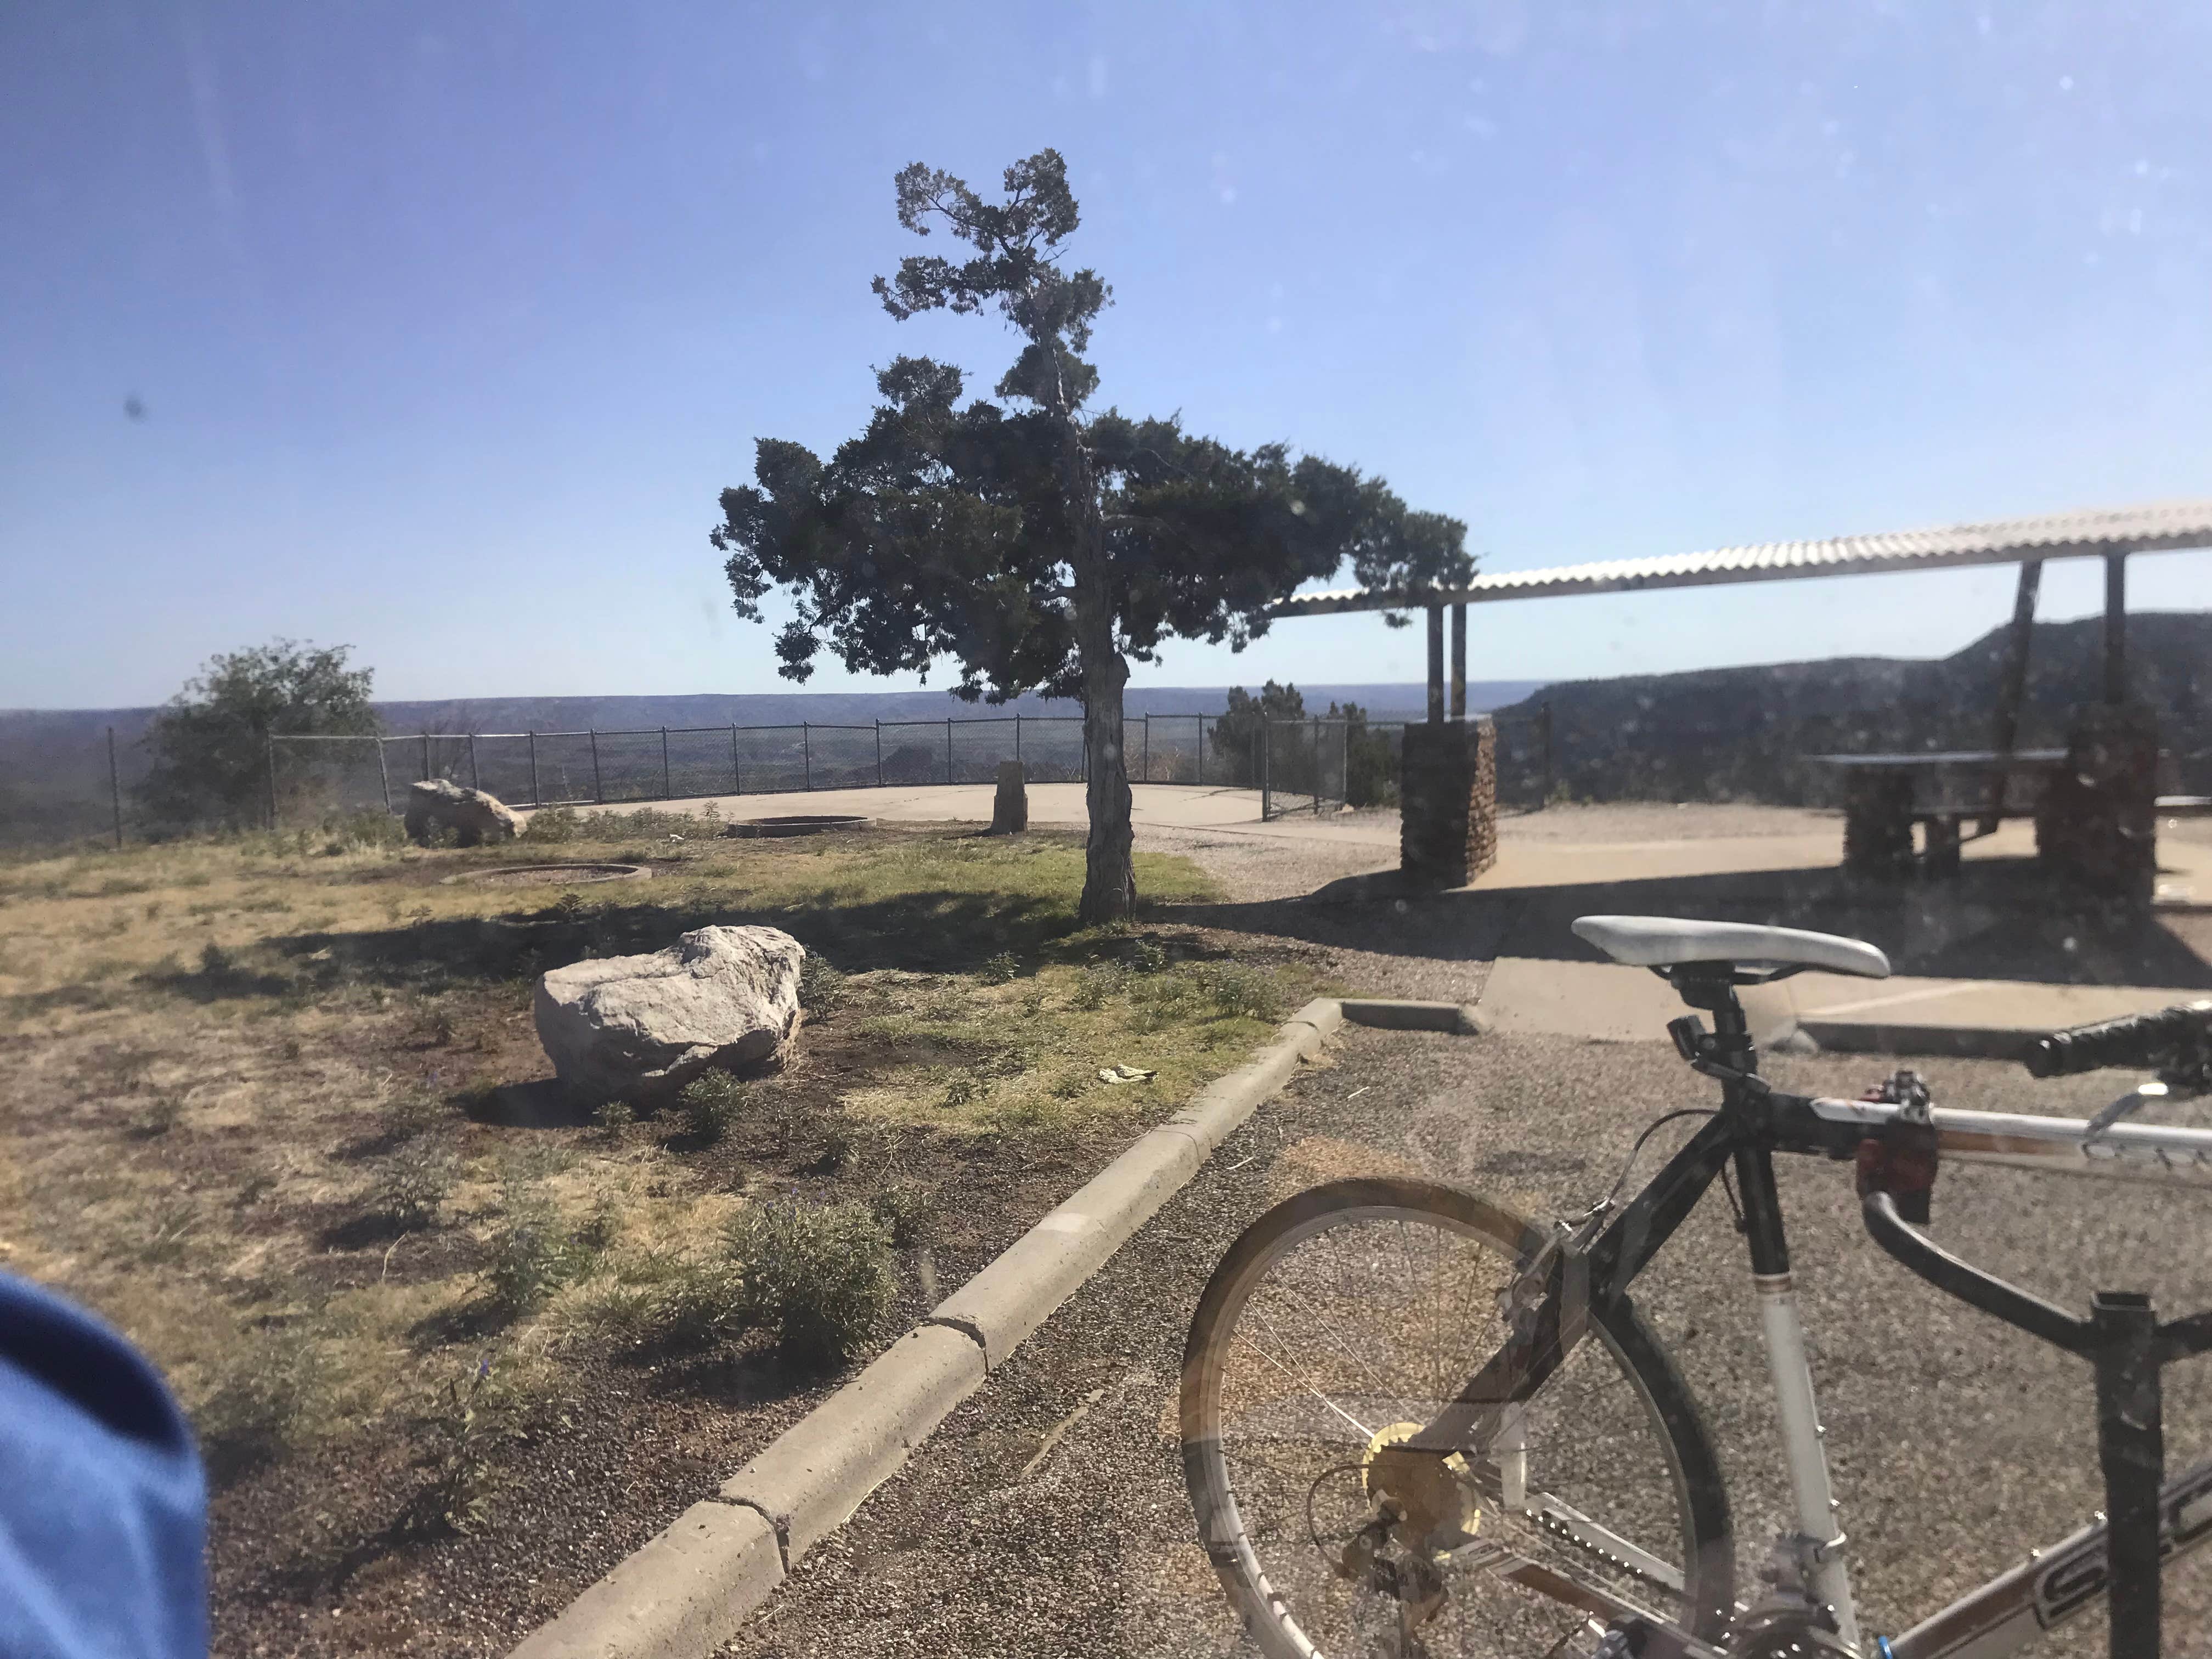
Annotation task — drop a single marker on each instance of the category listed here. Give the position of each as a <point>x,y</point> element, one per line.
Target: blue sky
<point>449,323</point>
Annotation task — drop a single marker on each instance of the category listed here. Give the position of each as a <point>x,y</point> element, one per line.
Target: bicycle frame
<point>1752,1124</point>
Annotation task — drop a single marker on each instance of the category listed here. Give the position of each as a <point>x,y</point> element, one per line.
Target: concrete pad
<point>817,1473</point>
<point>681,1596</point>
<point>1018,1291</point>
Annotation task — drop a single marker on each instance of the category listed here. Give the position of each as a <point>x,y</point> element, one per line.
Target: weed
<point>531,1255</point>
<point>555,825</point>
<point>903,1205</point>
<point>962,1089</point>
<point>1236,991</point>
<point>712,1103</point>
<point>670,1301</point>
<point>819,1274</point>
<point>613,1119</point>
<point>261,1403</point>
<point>1000,969</point>
<point>821,987</point>
<point>1099,984</point>
<point>411,1188</point>
<point>170,1226</point>
<point>408,1116</point>
<point>470,1419</point>
<point>1145,956</point>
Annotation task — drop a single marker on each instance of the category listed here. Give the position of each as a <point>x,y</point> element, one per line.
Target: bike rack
<point>2124,1340</point>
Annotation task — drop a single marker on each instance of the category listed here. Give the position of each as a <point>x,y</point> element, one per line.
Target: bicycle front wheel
<point>1347,1317</point>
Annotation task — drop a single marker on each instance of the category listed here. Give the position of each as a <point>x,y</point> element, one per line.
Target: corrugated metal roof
<point>2158,528</point>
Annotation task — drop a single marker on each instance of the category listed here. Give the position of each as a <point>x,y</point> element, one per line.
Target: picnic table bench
<point>1885,795</point>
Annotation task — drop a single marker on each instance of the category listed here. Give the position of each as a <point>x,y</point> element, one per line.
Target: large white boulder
<point>437,803</point>
<point>640,1028</point>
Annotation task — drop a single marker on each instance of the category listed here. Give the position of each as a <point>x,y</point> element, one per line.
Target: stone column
<point>1448,802</point>
<point>2096,824</point>
<point>1010,812</point>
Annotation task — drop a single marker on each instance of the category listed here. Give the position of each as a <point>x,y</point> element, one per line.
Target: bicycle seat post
<point>1711,986</point>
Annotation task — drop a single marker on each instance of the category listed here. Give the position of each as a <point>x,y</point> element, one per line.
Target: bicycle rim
<point>1355,1310</point>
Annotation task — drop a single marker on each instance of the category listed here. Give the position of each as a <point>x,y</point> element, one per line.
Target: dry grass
<point>273,1110</point>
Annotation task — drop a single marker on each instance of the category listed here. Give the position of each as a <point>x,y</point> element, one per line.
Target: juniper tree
<point>1038,545</point>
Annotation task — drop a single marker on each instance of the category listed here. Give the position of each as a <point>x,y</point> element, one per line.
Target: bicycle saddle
<point>1670,942</point>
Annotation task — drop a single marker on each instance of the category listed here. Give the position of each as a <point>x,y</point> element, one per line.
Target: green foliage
<point>903,1205</point>
<point>470,1419</point>
<point>1371,760</point>
<point>410,1187</point>
<point>712,1103</point>
<point>263,1399</point>
<point>210,745</point>
<point>531,1255</point>
<point>1242,732</point>
<point>1036,544</point>
<point>677,1302</point>
<point>821,987</point>
<point>819,1274</point>
<point>555,825</point>
<point>613,1119</point>
<point>1236,991</point>
<point>1000,969</point>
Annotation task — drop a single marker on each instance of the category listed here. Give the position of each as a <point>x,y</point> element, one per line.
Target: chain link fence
<point>311,779</point>
<point>1317,765</point>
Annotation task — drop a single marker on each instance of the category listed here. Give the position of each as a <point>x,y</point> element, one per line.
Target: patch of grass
<point>664,1300</point>
<point>905,1207</point>
<point>262,1402</point>
<point>819,1275</point>
<point>531,1255</point>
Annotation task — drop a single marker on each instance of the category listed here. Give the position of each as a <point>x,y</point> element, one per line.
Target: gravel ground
<point>1957,1445</point>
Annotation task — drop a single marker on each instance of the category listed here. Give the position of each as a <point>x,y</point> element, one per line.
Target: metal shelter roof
<point>2093,533</point>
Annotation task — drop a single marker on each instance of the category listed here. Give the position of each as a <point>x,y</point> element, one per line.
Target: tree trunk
<point>1110,875</point>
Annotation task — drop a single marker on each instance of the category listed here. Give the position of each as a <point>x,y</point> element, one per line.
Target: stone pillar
<point>2096,824</point>
<point>1448,802</point>
<point>1010,812</point>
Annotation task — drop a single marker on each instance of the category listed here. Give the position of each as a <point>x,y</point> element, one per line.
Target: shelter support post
<point>2012,685</point>
<point>1459,661</point>
<point>1435,664</point>
<point>2116,629</point>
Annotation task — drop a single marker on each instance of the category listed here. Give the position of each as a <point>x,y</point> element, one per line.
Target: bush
<point>613,1119</point>
<point>712,1103</point>
<point>467,1423</point>
<point>671,1302</point>
<point>261,1403</point>
<point>902,1206</point>
<point>410,1187</point>
<point>554,824</point>
<point>821,987</point>
<point>999,969</point>
<point>819,1274</point>
<point>359,832</point>
<point>531,1255</point>
<point>1237,991</point>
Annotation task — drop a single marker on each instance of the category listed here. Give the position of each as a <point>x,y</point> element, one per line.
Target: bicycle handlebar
<point>2172,1039</point>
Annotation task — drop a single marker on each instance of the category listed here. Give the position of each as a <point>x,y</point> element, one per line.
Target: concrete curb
<point>687,1590</point>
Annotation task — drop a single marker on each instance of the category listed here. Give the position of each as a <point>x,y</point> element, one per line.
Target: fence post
<point>806,753</point>
<point>948,749</point>
<point>1266,755</point>
<point>879,751</point>
<point>426,774</point>
<point>599,789</point>
<point>1544,721</point>
<point>667,788</point>
<point>115,789</point>
<point>384,775</point>
<point>1344,760</point>
<point>1316,764</point>
<point>1201,751</point>
<point>272,784</point>
<point>475,777</point>
<point>737,777</point>
<point>1017,734</point>
<point>536,799</point>
<point>1148,745</point>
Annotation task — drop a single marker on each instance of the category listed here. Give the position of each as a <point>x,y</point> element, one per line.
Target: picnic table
<point>1885,795</point>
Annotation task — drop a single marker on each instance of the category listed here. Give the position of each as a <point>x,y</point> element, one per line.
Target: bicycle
<point>1537,1480</point>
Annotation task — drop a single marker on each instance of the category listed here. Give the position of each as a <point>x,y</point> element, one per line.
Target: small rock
<point>438,803</point>
<point>638,1028</point>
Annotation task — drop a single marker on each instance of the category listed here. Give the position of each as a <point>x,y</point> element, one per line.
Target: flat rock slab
<point>640,1028</point>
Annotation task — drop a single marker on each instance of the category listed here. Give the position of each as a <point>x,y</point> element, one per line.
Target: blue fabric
<point>103,1507</point>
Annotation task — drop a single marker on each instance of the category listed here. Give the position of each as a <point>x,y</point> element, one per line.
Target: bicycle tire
<point>1669,1415</point>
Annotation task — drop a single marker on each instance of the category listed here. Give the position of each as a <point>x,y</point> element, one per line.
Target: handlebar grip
<point>2138,1042</point>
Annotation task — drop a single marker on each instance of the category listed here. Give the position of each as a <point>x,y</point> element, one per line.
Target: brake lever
<point>2125,1106</point>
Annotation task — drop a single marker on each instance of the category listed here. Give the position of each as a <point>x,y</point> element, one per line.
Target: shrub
<point>902,1206</point>
<point>261,1401</point>
<point>531,1253</point>
<point>1100,984</point>
<point>999,969</point>
<point>712,1103</point>
<point>554,824</point>
<point>410,1187</point>
<point>821,987</point>
<point>614,1118</point>
<point>1238,992</point>
<point>467,1423</point>
<point>819,1274</point>
<point>408,1115</point>
<point>671,1302</point>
